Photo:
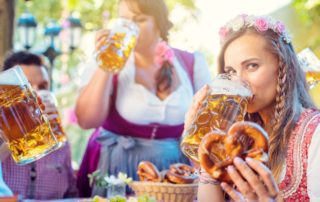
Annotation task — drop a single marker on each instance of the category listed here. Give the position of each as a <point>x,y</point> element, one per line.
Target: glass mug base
<point>60,144</point>
<point>24,161</point>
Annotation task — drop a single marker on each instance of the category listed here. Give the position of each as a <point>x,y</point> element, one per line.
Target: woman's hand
<point>101,37</point>
<point>254,181</point>
<point>196,103</point>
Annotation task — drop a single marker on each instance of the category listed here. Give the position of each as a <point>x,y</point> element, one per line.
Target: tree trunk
<point>6,27</point>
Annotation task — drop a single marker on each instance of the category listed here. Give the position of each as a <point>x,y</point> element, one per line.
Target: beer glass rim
<point>124,21</point>
<point>231,78</point>
<point>18,77</point>
<point>51,95</point>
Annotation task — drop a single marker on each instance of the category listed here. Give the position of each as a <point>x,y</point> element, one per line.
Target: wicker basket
<point>166,192</point>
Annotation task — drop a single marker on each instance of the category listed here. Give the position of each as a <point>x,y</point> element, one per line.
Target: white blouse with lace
<point>313,169</point>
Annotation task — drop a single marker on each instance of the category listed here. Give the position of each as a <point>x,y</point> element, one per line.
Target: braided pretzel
<point>181,174</point>
<point>244,139</point>
<point>148,172</point>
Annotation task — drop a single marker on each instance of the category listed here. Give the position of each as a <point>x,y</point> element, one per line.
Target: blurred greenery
<point>309,10</point>
<point>309,13</point>
<point>91,11</point>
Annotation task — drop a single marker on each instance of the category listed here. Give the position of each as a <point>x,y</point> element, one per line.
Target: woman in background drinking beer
<point>140,110</point>
<point>259,50</point>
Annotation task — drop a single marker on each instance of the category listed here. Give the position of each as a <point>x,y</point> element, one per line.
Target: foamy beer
<point>115,52</point>
<point>23,127</point>
<point>225,104</point>
<point>311,65</point>
<point>313,80</point>
<point>51,104</point>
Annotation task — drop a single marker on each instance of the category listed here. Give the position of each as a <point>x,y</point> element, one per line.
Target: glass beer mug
<point>23,127</point>
<point>121,40</point>
<point>225,104</point>
<point>311,66</point>
<point>53,116</point>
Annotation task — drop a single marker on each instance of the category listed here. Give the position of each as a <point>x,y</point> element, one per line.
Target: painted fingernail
<point>230,169</point>
<point>238,160</point>
<point>249,160</point>
<point>223,185</point>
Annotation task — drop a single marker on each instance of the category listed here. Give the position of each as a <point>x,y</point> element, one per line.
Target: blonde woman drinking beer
<point>139,112</point>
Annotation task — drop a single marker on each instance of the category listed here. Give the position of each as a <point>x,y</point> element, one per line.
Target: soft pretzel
<point>148,172</point>
<point>244,139</point>
<point>181,174</point>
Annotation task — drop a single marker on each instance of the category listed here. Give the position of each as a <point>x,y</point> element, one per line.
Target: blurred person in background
<point>139,112</point>
<point>50,177</point>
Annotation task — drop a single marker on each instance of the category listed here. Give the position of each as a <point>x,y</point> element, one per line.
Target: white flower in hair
<point>237,24</point>
<point>250,19</point>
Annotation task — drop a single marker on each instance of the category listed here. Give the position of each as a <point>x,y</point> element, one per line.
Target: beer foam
<point>229,87</point>
<point>13,76</point>
<point>124,26</point>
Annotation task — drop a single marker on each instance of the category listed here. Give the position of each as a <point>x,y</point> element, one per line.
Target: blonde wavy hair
<point>291,93</point>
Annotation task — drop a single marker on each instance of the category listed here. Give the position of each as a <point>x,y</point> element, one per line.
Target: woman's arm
<point>92,105</point>
<point>209,192</point>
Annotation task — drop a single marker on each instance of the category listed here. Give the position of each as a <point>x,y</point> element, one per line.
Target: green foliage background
<point>91,11</point>
<point>309,13</point>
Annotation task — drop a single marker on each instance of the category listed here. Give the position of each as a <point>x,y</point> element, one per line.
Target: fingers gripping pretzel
<point>244,139</point>
<point>148,172</point>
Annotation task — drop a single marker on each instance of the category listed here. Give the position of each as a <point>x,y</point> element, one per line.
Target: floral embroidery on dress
<point>294,185</point>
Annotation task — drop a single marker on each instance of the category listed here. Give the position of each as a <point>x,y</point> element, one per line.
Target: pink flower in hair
<point>161,48</point>
<point>279,27</point>
<point>163,54</point>
<point>261,24</point>
<point>223,32</point>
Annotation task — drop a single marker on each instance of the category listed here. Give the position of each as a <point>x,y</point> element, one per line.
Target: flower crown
<point>260,23</point>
